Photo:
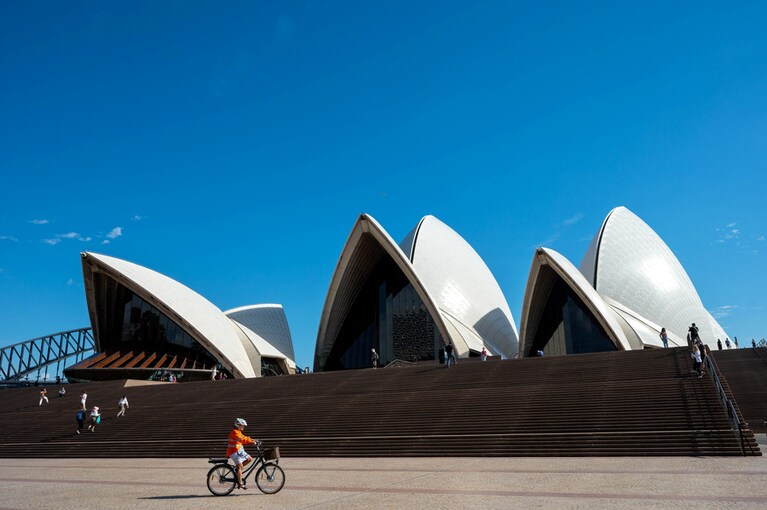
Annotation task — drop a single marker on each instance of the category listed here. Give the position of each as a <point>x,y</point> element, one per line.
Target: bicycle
<point>270,478</point>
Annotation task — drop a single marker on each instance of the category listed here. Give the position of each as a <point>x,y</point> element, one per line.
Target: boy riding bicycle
<point>236,451</point>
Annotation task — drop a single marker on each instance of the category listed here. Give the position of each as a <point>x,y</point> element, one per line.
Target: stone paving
<point>374,483</point>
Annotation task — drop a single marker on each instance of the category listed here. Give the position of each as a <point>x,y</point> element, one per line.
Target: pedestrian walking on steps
<point>43,396</point>
<point>374,357</point>
<point>698,361</point>
<point>95,419</point>
<point>80,418</point>
<point>719,343</point>
<point>122,405</point>
<point>703,354</point>
<point>83,399</point>
<point>484,353</point>
<point>727,342</point>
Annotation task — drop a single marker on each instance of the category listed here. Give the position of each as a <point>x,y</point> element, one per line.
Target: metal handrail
<point>398,363</point>
<point>732,414</point>
<point>760,354</point>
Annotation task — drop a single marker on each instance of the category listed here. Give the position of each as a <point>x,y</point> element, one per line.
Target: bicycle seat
<point>222,460</point>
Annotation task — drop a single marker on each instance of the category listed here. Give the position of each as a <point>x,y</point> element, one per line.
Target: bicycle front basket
<point>272,453</point>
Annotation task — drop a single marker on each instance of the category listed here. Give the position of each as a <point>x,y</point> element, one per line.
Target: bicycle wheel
<point>270,478</point>
<point>221,480</point>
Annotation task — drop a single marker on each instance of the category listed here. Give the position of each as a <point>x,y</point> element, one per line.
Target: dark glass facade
<point>128,322</point>
<point>387,315</point>
<point>567,327</point>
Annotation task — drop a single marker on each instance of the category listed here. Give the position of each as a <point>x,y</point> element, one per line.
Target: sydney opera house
<point>144,322</point>
<point>409,300</point>
<point>406,300</point>
<point>629,286</point>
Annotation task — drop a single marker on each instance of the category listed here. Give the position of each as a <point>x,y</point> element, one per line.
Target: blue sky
<point>232,145</point>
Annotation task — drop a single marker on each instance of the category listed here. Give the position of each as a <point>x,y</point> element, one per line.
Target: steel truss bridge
<point>36,358</point>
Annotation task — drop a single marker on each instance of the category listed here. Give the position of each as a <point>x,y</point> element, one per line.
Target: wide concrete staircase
<point>745,376</point>
<point>623,403</point>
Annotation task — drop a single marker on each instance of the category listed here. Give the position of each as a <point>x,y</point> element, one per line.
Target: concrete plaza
<point>374,483</point>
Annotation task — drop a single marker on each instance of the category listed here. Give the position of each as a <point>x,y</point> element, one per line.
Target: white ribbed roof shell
<point>367,241</point>
<point>533,304</point>
<point>201,318</point>
<point>455,285</point>
<point>646,331</point>
<point>267,327</point>
<point>466,292</point>
<point>628,263</point>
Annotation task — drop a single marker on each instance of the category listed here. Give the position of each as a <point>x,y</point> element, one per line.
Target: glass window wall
<point>567,327</point>
<point>138,325</point>
<point>387,315</point>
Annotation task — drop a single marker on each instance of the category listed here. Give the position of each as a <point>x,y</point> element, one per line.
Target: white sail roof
<point>202,319</point>
<point>536,293</point>
<point>267,327</point>
<point>630,264</point>
<point>457,288</point>
<point>465,290</point>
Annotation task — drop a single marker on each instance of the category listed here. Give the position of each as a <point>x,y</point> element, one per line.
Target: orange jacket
<point>236,440</point>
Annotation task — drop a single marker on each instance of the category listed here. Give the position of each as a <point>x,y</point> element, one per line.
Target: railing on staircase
<point>762,355</point>
<point>732,414</point>
<point>399,363</point>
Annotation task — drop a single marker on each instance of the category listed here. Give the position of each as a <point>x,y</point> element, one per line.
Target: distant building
<point>144,322</point>
<point>629,286</point>
<point>407,301</point>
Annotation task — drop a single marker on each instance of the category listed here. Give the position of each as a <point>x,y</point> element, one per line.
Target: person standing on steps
<point>719,343</point>
<point>374,357</point>
<point>83,399</point>
<point>450,355</point>
<point>43,396</point>
<point>484,353</point>
<point>664,337</point>
<point>727,342</point>
<point>692,334</point>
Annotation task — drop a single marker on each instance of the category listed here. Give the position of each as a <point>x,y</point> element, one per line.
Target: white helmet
<point>240,421</point>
